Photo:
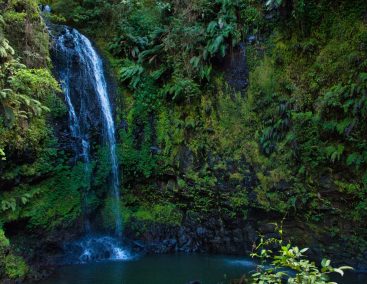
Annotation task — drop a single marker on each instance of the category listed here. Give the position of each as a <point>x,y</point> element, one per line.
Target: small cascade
<point>81,75</point>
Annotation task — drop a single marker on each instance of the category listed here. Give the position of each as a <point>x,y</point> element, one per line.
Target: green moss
<point>302,119</point>
<point>159,213</point>
<point>26,32</point>
<point>148,214</point>
<point>15,17</point>
<point>236,177</point>
<point>11,266</point>
<point>53,203</point>
<point>4,242</point>
<point>15,267</point>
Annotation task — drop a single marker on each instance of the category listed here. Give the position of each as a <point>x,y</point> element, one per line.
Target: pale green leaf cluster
<point>289,264</point>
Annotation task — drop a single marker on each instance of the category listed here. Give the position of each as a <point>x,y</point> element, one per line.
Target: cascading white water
<point>92,66</point>
<point>94,62</point>
<point>101,248</point>
<point>80,71</point>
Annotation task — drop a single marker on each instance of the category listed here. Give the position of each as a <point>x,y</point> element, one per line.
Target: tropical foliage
<point>294,142</point>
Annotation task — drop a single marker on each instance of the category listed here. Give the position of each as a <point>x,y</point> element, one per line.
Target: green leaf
<point>338,270</point>
<point>346,267</point>
<point>325,262</point>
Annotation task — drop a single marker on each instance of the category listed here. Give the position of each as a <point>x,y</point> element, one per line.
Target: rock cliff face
<point>235,67</point>
<point>208,236</point>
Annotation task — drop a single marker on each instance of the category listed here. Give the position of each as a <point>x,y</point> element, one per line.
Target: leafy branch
<point>290,263</point>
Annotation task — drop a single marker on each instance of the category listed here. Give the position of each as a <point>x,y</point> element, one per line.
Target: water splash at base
<point>94,249</point>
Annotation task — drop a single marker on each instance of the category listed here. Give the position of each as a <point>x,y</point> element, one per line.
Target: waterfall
<point>95,65</point>
<point>81,75</point>
<point>78,48</point>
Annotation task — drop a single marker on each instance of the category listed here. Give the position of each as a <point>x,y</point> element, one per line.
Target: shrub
<point>289,263</point>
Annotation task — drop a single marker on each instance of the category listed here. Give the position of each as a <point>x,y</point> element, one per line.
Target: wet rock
<point>167,246</point>
<point>267,228</point>
<point>238,235</point>
<point>200,231</point>
<point>251,39</point>
<point>325,181</point>
<point>235,67</point>
<point>184,241</point>
<point>186,159</point>
<point>69,42</point>
<point>45,8</point>
<point>138,244</point>
<point>155,150</point>
<point>251,233</point>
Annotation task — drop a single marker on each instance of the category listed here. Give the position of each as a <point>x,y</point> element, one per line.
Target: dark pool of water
<point>166,269</point>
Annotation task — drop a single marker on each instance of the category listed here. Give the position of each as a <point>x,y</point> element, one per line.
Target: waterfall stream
<point>81,75</point>
<point>94,63</point>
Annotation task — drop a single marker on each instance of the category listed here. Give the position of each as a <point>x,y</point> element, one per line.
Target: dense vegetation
<point>27,95</point>
<point>294,143</point>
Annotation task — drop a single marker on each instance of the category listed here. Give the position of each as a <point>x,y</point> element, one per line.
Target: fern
<point>335,152</point>
<point>9,204</point>
<point>6,50</point>
<point>355,159</point>
<point>150,54</point>
<point>132,73</point>
<point>158,73</point>
<point>181,88</point>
